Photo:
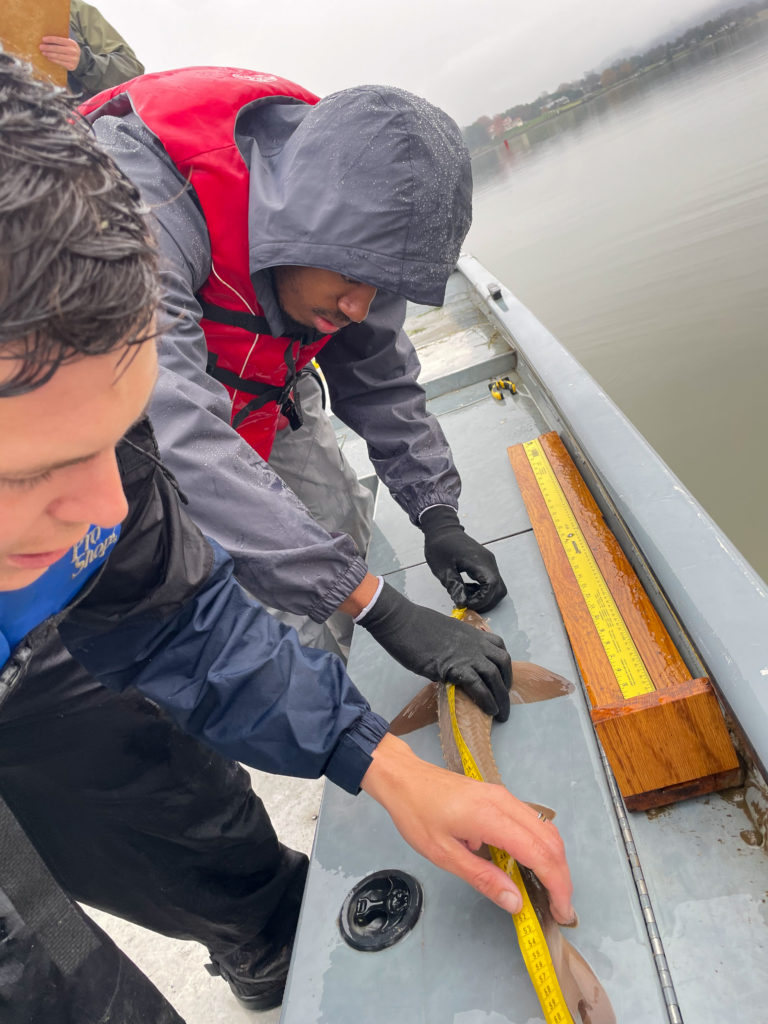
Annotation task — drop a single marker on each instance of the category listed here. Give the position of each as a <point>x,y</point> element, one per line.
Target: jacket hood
<point>372,182</point>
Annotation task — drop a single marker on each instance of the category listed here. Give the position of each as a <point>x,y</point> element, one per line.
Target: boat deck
<point>703,862</point>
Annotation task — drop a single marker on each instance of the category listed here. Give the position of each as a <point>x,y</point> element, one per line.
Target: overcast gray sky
<point>471,57</point>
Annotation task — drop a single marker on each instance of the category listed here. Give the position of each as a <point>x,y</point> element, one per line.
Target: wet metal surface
<point>453,336</point>
<point>702,863</point>
<point>491,505</point>
<point>461,963</point>
<point>709,889</point>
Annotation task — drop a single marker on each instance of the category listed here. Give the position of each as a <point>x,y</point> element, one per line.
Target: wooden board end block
<point>664,745</point>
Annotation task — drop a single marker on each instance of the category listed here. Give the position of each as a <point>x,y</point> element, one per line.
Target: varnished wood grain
<point>688,688</point>
<point>592,660</point>
<point>659,654</point>
<point>23,24</point>
<point>666,745</point>
<point>652,798</point>
<point>662,746</point>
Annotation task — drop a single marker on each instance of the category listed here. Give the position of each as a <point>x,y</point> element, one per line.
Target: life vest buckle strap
<point>234,318</point>
<point>238,383</point>
<point>285,396</point>
<point>291,409</point>
<point>271,394</point>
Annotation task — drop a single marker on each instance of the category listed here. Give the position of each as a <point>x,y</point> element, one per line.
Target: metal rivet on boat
<point>380,910</point>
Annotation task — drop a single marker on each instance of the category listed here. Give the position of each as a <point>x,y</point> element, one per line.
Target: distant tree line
<point>485,129</point>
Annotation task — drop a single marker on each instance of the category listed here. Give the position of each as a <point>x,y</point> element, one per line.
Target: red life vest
<point>193,111</point>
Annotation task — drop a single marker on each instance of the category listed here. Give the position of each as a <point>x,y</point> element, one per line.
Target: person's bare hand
<point>62,51</point>
<point>445,817</point>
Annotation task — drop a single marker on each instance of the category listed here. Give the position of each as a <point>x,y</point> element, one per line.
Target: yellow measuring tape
<point>624,657</point>
<point>530,937</point>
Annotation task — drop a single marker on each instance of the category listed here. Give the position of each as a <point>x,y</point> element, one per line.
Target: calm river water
<point>637,231</point>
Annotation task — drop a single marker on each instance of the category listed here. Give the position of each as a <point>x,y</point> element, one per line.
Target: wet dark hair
<point>77,267</point>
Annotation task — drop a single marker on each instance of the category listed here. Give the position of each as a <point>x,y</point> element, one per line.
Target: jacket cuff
<point>340,591</point>
<point>352,756</point>
<point>437,518</point>
<point>428,499</point>
<point>430,507</point>
<point>86,61</point>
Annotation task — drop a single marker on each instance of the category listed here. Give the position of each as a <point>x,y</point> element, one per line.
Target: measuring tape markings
<point>530,937</point>
<point>631,674</point>
<point>632,677</point>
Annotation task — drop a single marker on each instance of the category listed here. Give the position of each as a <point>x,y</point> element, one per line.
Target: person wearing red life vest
<point>292,228</point>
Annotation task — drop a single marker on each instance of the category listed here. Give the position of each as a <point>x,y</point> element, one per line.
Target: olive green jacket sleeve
<point>105,59</point>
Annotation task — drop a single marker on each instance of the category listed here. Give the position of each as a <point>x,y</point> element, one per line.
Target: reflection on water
<point>636,228</point>
<point>491,167</point>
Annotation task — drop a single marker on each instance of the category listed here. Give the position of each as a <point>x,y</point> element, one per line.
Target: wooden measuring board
<point>662,731</point>
<point>24,23</point>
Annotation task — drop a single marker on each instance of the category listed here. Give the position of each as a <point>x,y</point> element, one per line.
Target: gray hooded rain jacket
<point>372,183</point>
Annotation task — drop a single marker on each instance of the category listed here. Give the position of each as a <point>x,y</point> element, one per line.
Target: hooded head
<point>373,183</point>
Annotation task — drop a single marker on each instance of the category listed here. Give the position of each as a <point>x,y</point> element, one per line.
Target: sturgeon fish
<point>585,997</point>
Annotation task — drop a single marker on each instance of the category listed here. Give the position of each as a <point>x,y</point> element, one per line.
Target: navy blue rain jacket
<point>166,616</point>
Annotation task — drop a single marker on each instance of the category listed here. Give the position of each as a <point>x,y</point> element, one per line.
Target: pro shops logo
<point>92,548</point>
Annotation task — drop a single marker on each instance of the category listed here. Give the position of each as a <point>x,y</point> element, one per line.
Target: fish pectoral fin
<point>533,683</point>
<point>548,813</point>
<point>417,713</point>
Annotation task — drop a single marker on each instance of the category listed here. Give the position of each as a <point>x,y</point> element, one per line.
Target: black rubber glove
<point>450,552</point>
<point>443,649</point>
